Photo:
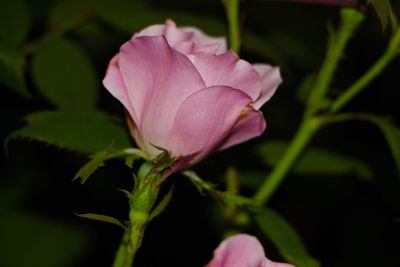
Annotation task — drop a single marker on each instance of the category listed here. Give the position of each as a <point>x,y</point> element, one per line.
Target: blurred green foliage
<point>315,161</point>
<point>284,237</point>
<point>53,55</point>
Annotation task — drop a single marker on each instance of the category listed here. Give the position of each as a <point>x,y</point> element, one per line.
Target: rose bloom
<point>186,93</point>
<point>242,250</point>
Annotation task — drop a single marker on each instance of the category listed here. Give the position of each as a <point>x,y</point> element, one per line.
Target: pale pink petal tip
<point>242,250</point>
<point>270,80</point>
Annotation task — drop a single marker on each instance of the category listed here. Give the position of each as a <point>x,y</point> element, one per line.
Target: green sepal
<point>102,218</point>
<point>162,161</point>
<point>128,194</point>
<point>201,185</point>
<point>227,197</point>
<point>162,204</point>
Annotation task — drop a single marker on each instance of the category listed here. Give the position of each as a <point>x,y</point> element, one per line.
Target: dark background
<point>343,220</point>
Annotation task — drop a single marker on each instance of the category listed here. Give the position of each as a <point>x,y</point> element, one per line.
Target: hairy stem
<point>142,202</point>
<point>350,20</point>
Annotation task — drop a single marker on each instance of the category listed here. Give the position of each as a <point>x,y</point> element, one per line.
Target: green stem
<point>391,52</point>
<point>306,130</point>
<point>350,20</point>
<point>342,117</point>
<point>120,257</point>
<point>232,13</point>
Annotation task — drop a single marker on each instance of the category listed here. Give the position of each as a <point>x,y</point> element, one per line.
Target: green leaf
<point>90,167</point>
<point>43,241</point>
<point>162,204</point>
<point>384,10</point>
<point>87,132</point>
<point>14,21</point>
<point>283,236</point>
<point>98,159</point>
<point>64,75</point>
<point>315,161</point>
<point>11,69</point>
<point>392,135</point>
<point>102,218</point>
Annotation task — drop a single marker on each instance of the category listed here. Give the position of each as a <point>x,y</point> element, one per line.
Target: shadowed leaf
<point>315,161</point>
<point>72,83</point>
<point>11,69</point>
<point>285,238</point>
<point>14,21</point>
<point>44,242</point>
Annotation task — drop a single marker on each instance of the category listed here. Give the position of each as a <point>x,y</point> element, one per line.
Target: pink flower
<point>242,251</point>
<point>186,93</point>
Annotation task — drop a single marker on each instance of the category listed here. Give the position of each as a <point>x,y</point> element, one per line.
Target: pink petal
<point>158,80</point>
<point>242,250</point>
<point>153,30</point>
<point>228,69</point>
<point>251,126</point>
<point>277,264</point>
<point>201,38</point>
<point>190,47</point>
<point>270,78</point>
<point>173,34</point>
<point>204,119</point>
<point>116,86</point>
<point>239,251</point>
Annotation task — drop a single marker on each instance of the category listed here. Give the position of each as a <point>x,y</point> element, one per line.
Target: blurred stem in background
<point>351,18</point>
<point>318,101</point>
<point>232,13</point>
